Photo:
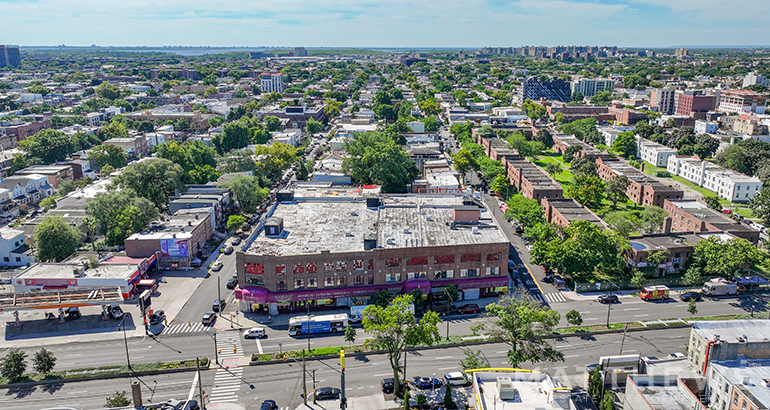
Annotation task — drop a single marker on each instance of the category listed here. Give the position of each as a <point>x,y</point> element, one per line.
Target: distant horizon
<point>93,46</point>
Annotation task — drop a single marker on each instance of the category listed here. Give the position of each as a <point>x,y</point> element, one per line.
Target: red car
<point>469,308</point>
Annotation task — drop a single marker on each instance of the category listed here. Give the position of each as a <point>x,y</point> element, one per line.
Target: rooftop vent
<point>406,229</point>
<point>348,233</point>
<point>353,213</point>
<point>428,218</point>
<point>476,230</point>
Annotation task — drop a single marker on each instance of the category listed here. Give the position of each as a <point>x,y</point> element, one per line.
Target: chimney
<point>667,221</point>
<point>641,168</point>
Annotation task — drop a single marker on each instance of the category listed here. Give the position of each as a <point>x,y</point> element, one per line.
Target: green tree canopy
<point>108,154</point>
<point>588,191</point>
<point>14,364</point>
<point>108,91</point>
<point>48,145</point>
<point>155,179</point>
<point>760,205</point>
<point>716,257</point>
<point>119,214</point>
<point>464,161</point>
<point>625,144</point>
<point>43,361</point>
<point>375,158</point>
<point>616,189</point>
<point>247,192</point>
<point>527,211</point>
<point>235,135</point>
<point>55,239</point>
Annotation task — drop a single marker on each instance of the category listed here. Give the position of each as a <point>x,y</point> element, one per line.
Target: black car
<point>688,296</point>
<point>608,298</point>
<point>157,317</point>
<point>218,305</point>
<point>232,283</point>
<point>325,393</point>
<point>268,405</point>
<point>388,384</point>
<point>228,250</point>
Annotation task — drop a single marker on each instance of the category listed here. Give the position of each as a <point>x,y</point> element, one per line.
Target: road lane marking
<point>192,389</point>
<point>442,358</point>
<point>646,314</point>
<point>572,355</point>
<point>382,374</point>
<point>259,346</point>
<point>590,318</point>
<point>633,309</point>
<point>447,368</point>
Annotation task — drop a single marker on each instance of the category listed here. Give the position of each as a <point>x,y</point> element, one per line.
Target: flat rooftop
<point>64,271</point>
<point>749,376</point>
<point>325,189</point>
<point>533,391</point>
<point>730,330</point>
<point>340,224</point>
<point>665,395</point>
<point>573,211</point>
<point>534,174</point>
<point>664,241</point>
<point>706,214</point>
<point>633,174</point>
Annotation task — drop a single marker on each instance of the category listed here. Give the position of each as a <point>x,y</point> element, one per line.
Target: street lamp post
<point>125,339</point>
<point>451,302</point>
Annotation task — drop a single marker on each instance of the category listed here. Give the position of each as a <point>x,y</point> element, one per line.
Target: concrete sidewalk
<point>373,402</point>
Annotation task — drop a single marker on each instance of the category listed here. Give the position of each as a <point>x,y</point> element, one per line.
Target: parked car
<point>255,333</point>
<point>216,266</point>
<point>209,318</point>
<point>469,308</point>
<point>236,240</point>
<point>232,283</point>
<point>456,379</point>
<point>268,405</point>
<point>228,250</point>
<point>427,382</point>
<point>72,313</point>
<point>388,384</point>
<point>677,355</point>
<point>688,296</point>
<point>443,308</point>
<point>325,393</point>
<point>219,305</point>
<point>608,298</point>
<point>157,317</point>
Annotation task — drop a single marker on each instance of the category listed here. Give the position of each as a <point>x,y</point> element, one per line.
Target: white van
<point>456,379</point>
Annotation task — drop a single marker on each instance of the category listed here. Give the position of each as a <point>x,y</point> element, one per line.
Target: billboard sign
<point>174,248</point>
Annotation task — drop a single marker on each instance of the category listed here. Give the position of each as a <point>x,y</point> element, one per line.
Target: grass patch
<point>745,212</point>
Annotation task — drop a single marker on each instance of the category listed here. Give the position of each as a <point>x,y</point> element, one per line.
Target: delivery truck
<point>719,287</point>
<point>657,292</point>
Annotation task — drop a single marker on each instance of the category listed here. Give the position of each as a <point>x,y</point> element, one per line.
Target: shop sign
<point>50,282</point>
<point>324,301</point>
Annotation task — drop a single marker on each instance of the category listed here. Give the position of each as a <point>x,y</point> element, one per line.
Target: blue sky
<point>395,23</point>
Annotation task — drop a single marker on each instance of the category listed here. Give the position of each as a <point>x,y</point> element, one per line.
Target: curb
<point>103,377</point>
<point>479,342</point>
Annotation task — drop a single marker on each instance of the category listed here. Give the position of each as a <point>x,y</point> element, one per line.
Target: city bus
<point>303,325</point>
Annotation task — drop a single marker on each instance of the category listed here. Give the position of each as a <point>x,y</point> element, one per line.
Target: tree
<point>717,257</point>
<point>108,91</point>
<point>553,169</point>
<point>448,402</point>
<point>43,361</point>
<point>39,89</point>
<point>638,280</point>
<point>202,175</point>
<point>394,328</point>
<point>577,96</point>
<point>234,222</point>
<point>713,202</point>
<point>502,185</point>
<point>247,192</point>
<point>235,135</point>
<point>464,161</point>
<point>602,98</point>
<point>375,158</point>
<point>692,277</point>
<point>155,179</point>
<point>119,214</point>
<point>350,334</point>
<point>429,107</point>
<point>55,239</point>
<point>588,191</point>
<point>608,402</point>
<point>651,219</point>
<point>431,124</point>
<point>119,399</point>
<point>313,127</point>
<point>518,322</point>
<point>760,205</point>
<point>49,202</point>
<point>527,211</point>
<point>595,384</point>
<point>569,154</point>
<point>14,364</point>
<point>616,189</point>
<point>406,397</point>
<point>574,318</point>
<point>332,109</point>
<point>108,154</point>
<point>420,400</point>
<point>272,123</point>
<point>115,129</point>
<point>625,144</point>
<point>382,298</point>
<point>474,360</point>
<point>48,145</point>
<point>692,308</point>
<point>584,166</point>
<point>274,159</point>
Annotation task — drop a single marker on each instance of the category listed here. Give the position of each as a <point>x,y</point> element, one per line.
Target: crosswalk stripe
<point>555,297</point>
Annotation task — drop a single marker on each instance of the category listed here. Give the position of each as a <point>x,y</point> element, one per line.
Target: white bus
<point>304,325</point>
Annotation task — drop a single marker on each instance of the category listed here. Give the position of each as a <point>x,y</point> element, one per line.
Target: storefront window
<point>328,266</point>
<point>358,264</point>
<point>280,269</point>
<point>444,274</point>
<point>440,259</point>
<point>299,268</point>
<point>392,277</point>
<point>417,261</point>
<point>342,266</point>
<point>280,284</point>
<point>311,267</point>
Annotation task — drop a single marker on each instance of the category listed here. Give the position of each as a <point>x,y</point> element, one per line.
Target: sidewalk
<point>630,293</point>
<point>373,402</point>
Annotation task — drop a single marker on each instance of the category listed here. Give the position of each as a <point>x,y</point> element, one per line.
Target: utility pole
<point>343,400</point>
<point>219,294</point>
<point>304,379</point>
<point>216,350</point>
<point>307,304</point>
<point>451,302</point>
<point>125,340</point>
<point>200,385</point>
<point>314,386</point>
<point>623,341</point>
<point>609,308</point>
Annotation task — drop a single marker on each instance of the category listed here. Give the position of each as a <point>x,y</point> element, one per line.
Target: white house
<point>13,251</point>
<point>654,153</point>
<point>727,184</point>
<point>289,137</point>
<point>706,127</point>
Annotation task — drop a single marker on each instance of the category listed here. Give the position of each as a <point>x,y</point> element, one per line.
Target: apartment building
<point>21,130</point>
<point>696,216</point>
<point>738,101</point>
<point>755,78</point>
<point>739,384</point>
<point>55,173</point>
<point>678,245</point>
<point>750,127</point>
<point>561,142</point>
<point>662,99</point>
<point>693,101</point>
<point>724,340</point>
<point>531,180</point>
<point>271,83</point>
<point>296,116</point>
<point>706,127</point>
<point>10,56</point>
<point>654,153</point>
<point>661,392</point>
<point>555,89</point>
<point>496,148</point>
<point>727,184</point>
<point>563,211</point>
<point>329,250</point>
<point>579,112</point>
<point>642,188</point>
<point>592,86</point>
<point>13,250</point>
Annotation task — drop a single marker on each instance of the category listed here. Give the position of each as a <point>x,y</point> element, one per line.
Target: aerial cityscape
<point>395,206</point>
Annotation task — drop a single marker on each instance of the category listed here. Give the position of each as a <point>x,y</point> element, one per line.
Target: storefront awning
<point>257,294</point>
<point>417,283</point>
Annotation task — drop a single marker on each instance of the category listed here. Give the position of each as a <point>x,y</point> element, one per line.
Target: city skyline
<point>627,23</point>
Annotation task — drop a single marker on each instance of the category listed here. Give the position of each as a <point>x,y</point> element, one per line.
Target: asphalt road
<point>283,382</point>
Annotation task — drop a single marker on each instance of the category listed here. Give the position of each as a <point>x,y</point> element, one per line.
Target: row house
<point>696,216</point>
<point>642,188</point>
<point>563,211</point>
<point>55,173</point>
<point>531,180</point>
<point>561,142</point>
<point>27,190</point>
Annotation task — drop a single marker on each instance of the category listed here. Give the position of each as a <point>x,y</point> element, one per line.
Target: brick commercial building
<point>563,211</point>
<point>738,101</point>
<point>21,131</point>
<point>579,112</point>
<point>531,180</point>
<point>688,102</point>
<point>642,188</point>
<point>177,241</point>
<point>679,245</point>
<point>696,216</point>
<point>339,250</point>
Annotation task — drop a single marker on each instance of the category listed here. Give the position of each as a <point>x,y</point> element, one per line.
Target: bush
<point>662,174</point>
